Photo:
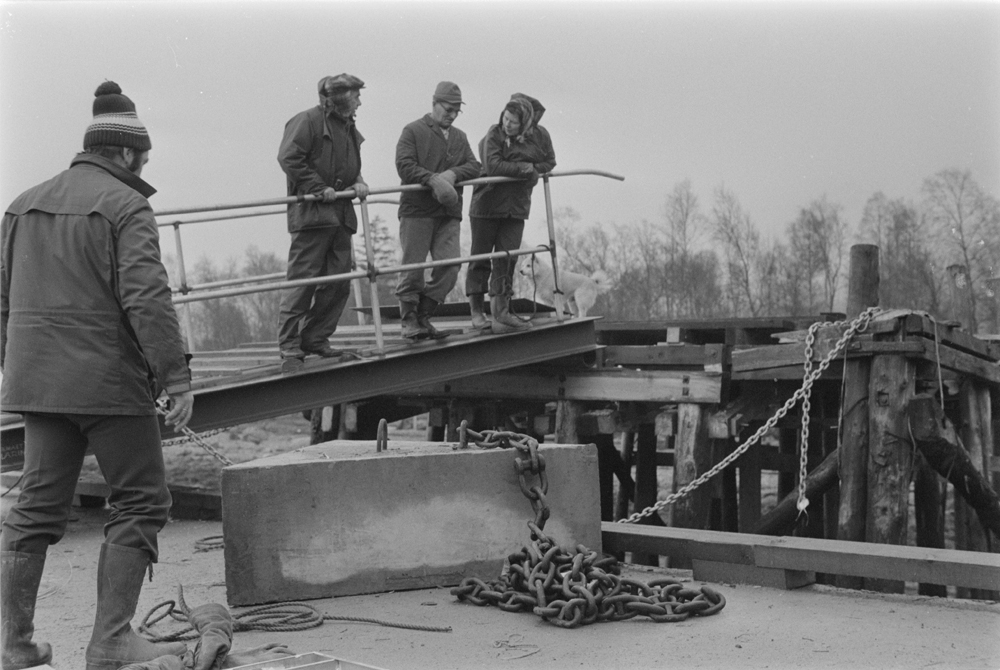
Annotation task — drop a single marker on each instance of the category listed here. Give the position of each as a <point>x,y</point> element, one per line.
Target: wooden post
<point>890,457</point>
<point>788,445</point>
<point>853,468</point>
<point>692,457</point>
<point>749,464</point>
<point>976,434</point>
<point>567,414</point>
<point>645,482</point>
<point>624,495</point>
<point>929,517</point>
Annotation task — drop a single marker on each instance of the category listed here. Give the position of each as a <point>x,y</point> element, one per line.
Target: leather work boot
<point>503,320</point>
<point>20,575</point>
<point>412,330</point>
<point>120,571</point>
<point>477,309</point>
<point>425,310</point>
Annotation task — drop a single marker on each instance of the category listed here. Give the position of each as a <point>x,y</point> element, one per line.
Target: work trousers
<point>131,458</point>
<point>496,276</point>
<point>309,314</point>
<point>437,236</point>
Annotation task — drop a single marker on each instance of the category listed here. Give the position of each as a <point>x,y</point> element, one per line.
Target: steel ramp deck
<point>246,384</point>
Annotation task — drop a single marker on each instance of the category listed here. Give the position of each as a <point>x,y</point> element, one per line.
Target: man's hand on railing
<point>361,190</point>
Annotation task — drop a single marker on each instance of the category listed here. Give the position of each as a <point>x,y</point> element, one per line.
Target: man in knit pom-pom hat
<point>320,154</point>
<point>89,342</point>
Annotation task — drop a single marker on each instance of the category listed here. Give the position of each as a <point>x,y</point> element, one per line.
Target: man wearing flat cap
<point>320,155</point>
<point>433,153</point>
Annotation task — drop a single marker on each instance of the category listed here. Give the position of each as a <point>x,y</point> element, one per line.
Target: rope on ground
<point>210,543</point>
<point>274,618</point>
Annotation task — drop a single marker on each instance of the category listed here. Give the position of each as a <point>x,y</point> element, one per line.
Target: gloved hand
<point>529,172</point>
<point>449,175</point>
<point>442,190</point>
<point>215,624</point>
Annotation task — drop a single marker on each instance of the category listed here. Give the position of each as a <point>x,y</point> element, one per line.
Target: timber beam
<point>538,383</point>
<point>801,555</point>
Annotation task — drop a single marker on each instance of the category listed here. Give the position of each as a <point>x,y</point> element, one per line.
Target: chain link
<point>858,325</point>
<point>190,435</point>
<point>529,462</point>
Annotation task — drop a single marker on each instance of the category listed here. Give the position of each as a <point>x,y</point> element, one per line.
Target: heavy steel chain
<point>529,462</point>
<point>570,589</point>
<point>190,435</point>
<point>860,324</point>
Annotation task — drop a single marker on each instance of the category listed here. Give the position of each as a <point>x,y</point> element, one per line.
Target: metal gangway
<point>185,293</point>
<point>262,392</point>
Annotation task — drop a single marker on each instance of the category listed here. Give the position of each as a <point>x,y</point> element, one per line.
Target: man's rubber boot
<point>503,320</point>
<point>425,310</point>
<point>215,625</point>
<point>20,575</point>
<point>120,571</point>
<point>478,310</point>
<point>412,330</point>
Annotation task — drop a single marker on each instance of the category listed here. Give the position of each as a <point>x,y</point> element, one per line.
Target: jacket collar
<point>435,126</point>
<point>130,179</point>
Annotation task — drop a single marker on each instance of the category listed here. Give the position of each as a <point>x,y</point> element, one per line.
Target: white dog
<point>580,291</point>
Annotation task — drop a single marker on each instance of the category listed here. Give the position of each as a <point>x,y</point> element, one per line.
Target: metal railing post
<point>372,278</point>
<point>550,220</point>
<point>356,292</point>
<point>182,276</point>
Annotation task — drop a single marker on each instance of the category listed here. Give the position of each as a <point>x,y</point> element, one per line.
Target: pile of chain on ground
<point>573,589</point>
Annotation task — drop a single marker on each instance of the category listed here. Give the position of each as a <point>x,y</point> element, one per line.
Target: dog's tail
<point>600,278</point>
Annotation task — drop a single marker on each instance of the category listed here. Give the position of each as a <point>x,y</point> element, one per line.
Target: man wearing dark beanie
<point>89,342</point>
<point>320,154</point>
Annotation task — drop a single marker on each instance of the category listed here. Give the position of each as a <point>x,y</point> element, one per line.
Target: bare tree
<point>966,221</point>
<point>740,242</point>
<point>816,241</point>
<point>908,276</point>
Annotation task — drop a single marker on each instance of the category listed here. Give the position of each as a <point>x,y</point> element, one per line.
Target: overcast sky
<point>780,102</point>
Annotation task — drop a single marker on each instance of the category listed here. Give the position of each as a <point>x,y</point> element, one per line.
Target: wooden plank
<point>684,543</point>
<point>780,355</point>
<point>616,385</point>
<point>733,573</point>
<point>960,361</point>
<point>917,324</point>
<point>678,355</point>
<point>861,559</point>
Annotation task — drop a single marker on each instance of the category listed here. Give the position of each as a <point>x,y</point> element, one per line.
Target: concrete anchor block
<point>338,518</point>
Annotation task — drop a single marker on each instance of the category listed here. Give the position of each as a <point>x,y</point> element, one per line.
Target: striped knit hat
<point>115,122</point>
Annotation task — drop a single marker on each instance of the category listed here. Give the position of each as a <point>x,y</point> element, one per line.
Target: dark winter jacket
<point>87,323</point>
<point>527,155</point>
<point>423,151</point>
<point>318,151</point>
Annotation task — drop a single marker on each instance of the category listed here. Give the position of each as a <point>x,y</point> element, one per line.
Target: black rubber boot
<point>114,644</point>
<point>21,575</point>
<point>425,310</point>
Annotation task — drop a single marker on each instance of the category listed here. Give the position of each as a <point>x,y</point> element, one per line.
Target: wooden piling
<point>862,293</point>
<point>645,483</point>
<point>890,457</point>
<point>692,457</point>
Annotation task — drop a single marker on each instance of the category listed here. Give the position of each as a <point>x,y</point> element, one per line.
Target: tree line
<point>711,261</point>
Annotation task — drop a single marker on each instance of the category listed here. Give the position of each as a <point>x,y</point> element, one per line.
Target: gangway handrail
<point>376,191</point>
<point>373,271</point>
<point>244,215</point>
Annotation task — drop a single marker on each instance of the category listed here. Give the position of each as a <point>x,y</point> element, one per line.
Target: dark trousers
<point>488,235</point>
<point>420,236</point>
<point>131,458</point>
<point>309,314</point>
